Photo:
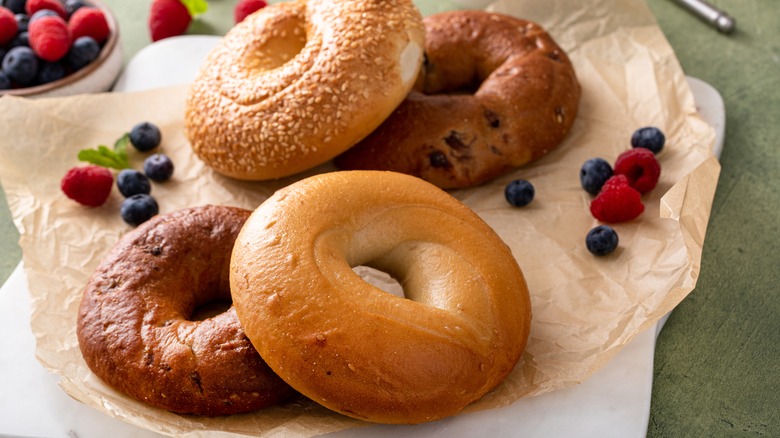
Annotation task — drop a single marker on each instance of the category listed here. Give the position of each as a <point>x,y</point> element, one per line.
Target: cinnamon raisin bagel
<point>299,82</point>
<point>349,345</point>
<point>496,92</point>
<point>134,326</point>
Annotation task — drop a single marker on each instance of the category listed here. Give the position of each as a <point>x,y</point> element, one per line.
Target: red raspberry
<point>617,201</point>
<point>8,26</point>
<point>641,168</point>
<point>49,38</point>
<point>168,18</point>
<point>88,185</point>
<point>34,6</point>
<point>89,22</point>
<point>246,7</point>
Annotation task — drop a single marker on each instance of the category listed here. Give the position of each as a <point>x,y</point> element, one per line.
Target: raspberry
<point>168,18</point>
<point>640,167</point>
<point>246,7</point>
<point>617,201</point>
<point>88,185</point>
<point>34,6</point>
<point>89,22</point>
<point>50,38</point>
<point>8,26</point>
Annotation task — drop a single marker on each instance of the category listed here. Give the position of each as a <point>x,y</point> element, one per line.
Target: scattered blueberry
<point>158,167</point>
<point>145,136</point>
<point>22,22</point>
<point>5,83</point>
<point>601,240</point>
<point>519,192</point>
<point>50,72</point>
<point>132,182</point>
<point>83,51</point>
<point>648,137</point>
<point>20,65</point>
<point>593,174</point>
<point>138,209</point>
<point>40,13</point>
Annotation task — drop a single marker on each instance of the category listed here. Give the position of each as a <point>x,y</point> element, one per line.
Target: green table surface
<point>717,362</point>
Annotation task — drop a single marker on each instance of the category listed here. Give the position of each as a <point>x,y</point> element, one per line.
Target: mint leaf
<point>195,7</point>
<point>115,158</point>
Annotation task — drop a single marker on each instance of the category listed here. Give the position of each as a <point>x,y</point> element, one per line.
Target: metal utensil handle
<point>717,18</point>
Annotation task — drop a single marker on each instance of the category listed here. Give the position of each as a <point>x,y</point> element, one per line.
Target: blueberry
<point>72,6</point>
<point>648,137</point>
<point>145,136</point>
<point>5,83</point>
<point>16,6</point>
<point>519,192</point>
<point>132,182</point>
<point>601,240</point>
<point>83,51</point>
<point>22,39</point>
<point>158,167</point>
<point>138,209</point>
<point>50,72</point>
<point>40,13</point>
<point>22,22</point>
<point>20,65</point>
<point>593,174</point>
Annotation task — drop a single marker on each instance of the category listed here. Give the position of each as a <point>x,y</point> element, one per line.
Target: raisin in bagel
<point>496,93</point>
<point>297,83</point>
<point>349,345</point>
<point>133,326</point>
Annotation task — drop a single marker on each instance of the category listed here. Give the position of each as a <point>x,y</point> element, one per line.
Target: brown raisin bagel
<point>349,345</point>
<point>496,92</point>
<point>134,329</point>
<point>297,83</point>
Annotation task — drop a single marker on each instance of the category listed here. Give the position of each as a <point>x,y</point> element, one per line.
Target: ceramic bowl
<point>97,76</point>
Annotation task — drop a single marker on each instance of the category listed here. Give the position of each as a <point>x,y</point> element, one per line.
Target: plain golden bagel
<point>134,326</point>
<point>353,347</point>
<point>297,83</point>
<point>496,92</point>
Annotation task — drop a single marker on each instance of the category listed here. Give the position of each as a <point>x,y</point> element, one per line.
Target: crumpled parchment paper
<point>585,308</point>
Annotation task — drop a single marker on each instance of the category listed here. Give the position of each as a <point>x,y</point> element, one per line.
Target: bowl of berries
<point>54,48</point>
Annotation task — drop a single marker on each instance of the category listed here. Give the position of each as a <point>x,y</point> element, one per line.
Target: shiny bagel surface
<point>353,347</point>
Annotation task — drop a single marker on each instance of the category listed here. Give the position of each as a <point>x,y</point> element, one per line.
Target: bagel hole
<point>210,309</point>
<point>288,41</point>
<point>380,279</point>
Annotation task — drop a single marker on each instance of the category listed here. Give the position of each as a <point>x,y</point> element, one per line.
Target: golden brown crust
<point>299,82</point>
<point>354,348</point>
<point>526,100</point>
<point>134,329</point>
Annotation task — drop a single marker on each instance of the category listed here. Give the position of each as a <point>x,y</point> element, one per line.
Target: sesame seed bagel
<point>496,93</point>
<point>299,82</point>
<point>135,329</point>
<point>353,347</point>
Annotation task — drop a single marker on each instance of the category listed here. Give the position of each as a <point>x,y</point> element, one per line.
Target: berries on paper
<point>245,8</point>
<point>640,167</point>
<point>593,174</point>
<point>138,209</point>
<point>132,182</point>
<point>145,136</point>
<point>519,193</point>
<point>88,185</point>
<point>650,138</point>
<point>601,240</point>
<point>158,167</point>
<point>617,201</point>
